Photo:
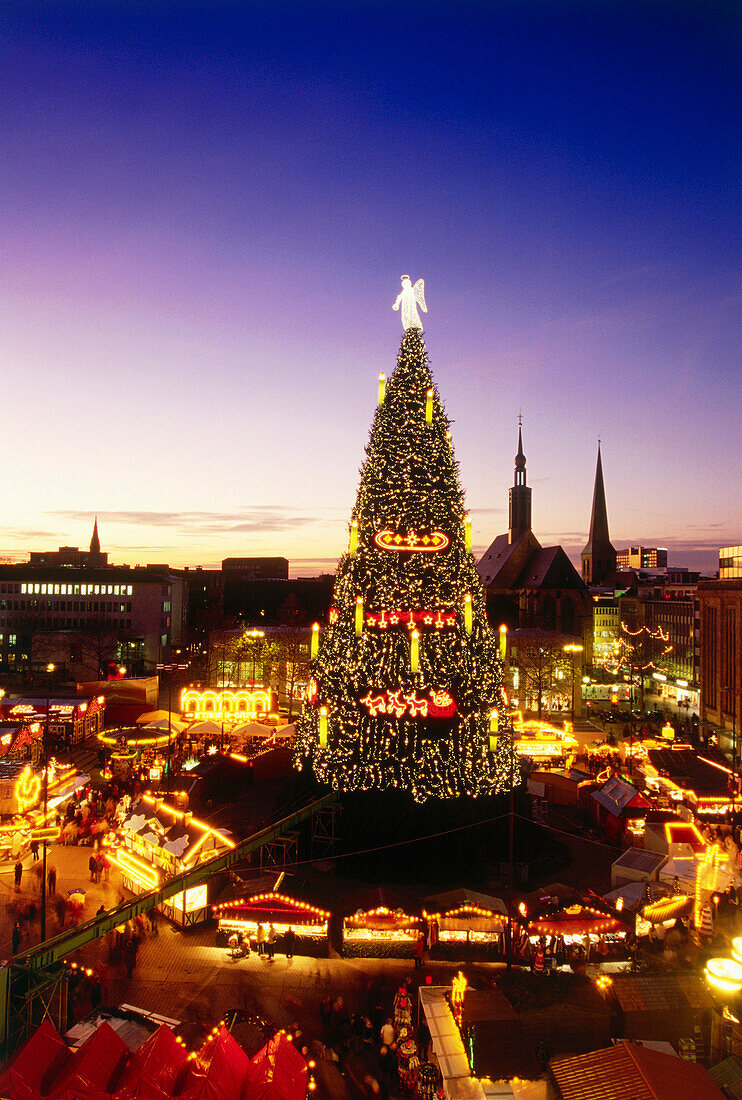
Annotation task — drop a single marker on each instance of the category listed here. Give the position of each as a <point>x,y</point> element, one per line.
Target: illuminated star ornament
<point>404,678</point>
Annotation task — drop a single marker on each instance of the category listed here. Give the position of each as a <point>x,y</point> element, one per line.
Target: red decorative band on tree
<point>411,543</point>
<point>401,704</point>
<point>436,619</point>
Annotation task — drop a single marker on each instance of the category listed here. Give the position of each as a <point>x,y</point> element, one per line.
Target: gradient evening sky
<point>206,208</point>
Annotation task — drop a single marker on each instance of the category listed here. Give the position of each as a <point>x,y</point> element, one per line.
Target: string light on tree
<point>407,671</point>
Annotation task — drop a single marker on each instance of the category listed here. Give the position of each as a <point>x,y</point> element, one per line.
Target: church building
<point>530,586</point>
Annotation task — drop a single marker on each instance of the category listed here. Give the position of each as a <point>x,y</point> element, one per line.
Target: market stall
<point>155,843</point>
<point>308,922</point>
<point>578,923</point>
<point>462,924</point>
<point>380,925</point>
<point>70,720</point>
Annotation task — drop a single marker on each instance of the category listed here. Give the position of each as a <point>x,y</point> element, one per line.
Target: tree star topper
<point>409,298</point>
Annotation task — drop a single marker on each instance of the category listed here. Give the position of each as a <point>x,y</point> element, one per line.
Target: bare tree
<point>542,666</point>
<point>292,643</point>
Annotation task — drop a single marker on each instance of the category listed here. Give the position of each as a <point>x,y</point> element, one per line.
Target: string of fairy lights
<point>406,676</point>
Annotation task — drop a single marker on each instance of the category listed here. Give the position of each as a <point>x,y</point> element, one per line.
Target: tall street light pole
<point>170,669</point>
<point>50,671</point>
<point>572,649</point>
<point>511,853</point>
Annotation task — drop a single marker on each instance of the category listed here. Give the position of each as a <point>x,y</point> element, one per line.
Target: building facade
<point>642,557</point>
<point>720,614</point>
<point>85,619</point>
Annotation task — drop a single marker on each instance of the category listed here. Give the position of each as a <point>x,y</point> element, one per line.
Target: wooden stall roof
<point>631,1072</point>
<point>463,898</point>
<point>271,906</point>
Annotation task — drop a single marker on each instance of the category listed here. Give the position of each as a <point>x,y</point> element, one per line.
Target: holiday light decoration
<point>494,728</point>
<point>27,789</point>
<point>429,407</point>
<point>467,533</point>
<point>503,641</point>
<point>409,298</point>
<point>436,618</point>
<point>314,645</point>
<point>382,388</point>
<point>724,974</point>
<point>311,693</point>
<point>353,544</point>
<point>386,712</point>
<point>438,704</point>
<point>359,616</point>
<point>429,543</point>
<point>468,617</point>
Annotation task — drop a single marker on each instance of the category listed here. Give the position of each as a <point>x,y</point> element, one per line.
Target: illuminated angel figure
<point>409,298</point>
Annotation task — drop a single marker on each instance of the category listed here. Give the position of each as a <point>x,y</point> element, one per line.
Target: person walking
<point>153,925</point>
<point>290,942</point>
<point>16,938</point>
<point>17,875</point>
<point>51,881</point>
<point>419,951</point>
<point>271,941</point>
<point>260,939</point>
<point>92,867</point>
<point>35,850</point>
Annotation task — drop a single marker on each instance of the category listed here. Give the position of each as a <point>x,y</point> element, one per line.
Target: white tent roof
<point>204,728</point>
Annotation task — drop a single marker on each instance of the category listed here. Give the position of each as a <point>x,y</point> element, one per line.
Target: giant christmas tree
<point>407,675</point>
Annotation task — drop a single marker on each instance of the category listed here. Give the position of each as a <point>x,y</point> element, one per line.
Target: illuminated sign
<point>412,543</point>
<point>142,873</point>
<point>27,789</point>
<point>224,704</point>
<point>437,704</point>
<point>52,833</point>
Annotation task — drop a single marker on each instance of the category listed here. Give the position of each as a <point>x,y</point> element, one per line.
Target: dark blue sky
<point>207,207</point>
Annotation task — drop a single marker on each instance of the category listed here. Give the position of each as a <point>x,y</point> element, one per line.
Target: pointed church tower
<point>95,541</point>
<point>519,496</point>
<point>598,557</point>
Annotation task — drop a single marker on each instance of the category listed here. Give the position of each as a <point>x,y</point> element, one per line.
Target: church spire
<point>599,556</point>
<point>519,496</point>
<point>95,541</point>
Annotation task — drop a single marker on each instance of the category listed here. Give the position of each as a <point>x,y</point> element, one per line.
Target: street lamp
<point>50,671</point>
<point>169,669</point>
<point>572,649</point>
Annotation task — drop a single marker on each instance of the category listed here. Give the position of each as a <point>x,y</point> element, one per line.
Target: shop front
<point>380,932</point>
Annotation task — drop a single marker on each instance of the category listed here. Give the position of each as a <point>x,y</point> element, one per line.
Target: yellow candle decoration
<point>429,407</point>
<point>415,650</point>
<point>353,537</point>
<point>467,533</point>
<point>382,388</point>
<point>315,641</point>
<point>503,641</point>
<point>468,618</point>
<point>323,727</point>
<point>494,728</point>
<point>359,616</point>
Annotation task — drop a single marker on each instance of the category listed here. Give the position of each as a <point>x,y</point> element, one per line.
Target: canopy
<point>207,728</point>
<point>253,729</point>
<point>154,1070</point>
<point>38,1062</point>
<point>277,1072</point>
<point>218,1071</point>
<point>271,907</point>
<point>95,1067</point>
<point>568,911</point>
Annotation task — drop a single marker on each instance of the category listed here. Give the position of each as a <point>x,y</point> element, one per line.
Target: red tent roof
<point>277,1072</point>
<point>95,1067</point>
<point>155,1069</point>
<point>218,1071</point>
<point>40,1059</point>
